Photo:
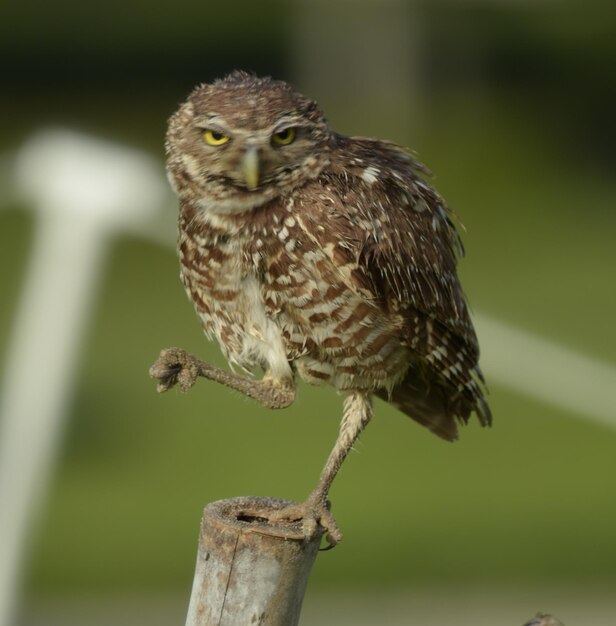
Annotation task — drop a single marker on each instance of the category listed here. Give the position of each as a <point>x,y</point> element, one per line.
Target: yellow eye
<point>284,137</point>
<point>214,138</point>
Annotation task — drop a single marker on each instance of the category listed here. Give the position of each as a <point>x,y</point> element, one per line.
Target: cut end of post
<point>254,514</point>
<point>250,569</point>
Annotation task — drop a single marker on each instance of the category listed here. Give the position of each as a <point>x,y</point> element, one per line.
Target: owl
<point>316,256</point>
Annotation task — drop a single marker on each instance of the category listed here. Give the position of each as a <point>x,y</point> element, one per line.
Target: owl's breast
<point>229,300</point>
<point>272,296</point>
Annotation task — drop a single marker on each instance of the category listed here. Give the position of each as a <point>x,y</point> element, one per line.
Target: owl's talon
<point>315,517</point>
<point>165,385</point>
<point>173,367</point>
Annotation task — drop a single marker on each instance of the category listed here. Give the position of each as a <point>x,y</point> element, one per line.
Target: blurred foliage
<point>516,121</point>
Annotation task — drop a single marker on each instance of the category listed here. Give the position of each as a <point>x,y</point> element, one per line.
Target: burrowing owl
<point>311,254</point>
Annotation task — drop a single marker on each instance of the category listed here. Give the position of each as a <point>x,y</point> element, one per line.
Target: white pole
<point>84,190</point>
<point>51,318</point>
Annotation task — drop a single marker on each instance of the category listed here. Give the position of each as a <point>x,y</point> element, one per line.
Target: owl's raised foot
<point>314,515</point>
<point>175,366</point>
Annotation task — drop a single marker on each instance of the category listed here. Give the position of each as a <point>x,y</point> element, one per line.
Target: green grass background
<point>530,500</point>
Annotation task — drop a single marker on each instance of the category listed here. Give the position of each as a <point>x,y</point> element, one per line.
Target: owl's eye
<point>284,137</point>
<point>214,138</point>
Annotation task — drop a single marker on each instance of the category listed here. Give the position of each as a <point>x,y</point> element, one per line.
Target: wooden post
<point>249,571</point>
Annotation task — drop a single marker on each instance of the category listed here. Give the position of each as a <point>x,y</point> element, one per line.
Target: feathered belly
<point>346,342</point>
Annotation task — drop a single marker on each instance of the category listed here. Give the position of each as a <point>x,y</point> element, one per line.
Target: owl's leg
<point>315,510</point>
<point>176,366</point>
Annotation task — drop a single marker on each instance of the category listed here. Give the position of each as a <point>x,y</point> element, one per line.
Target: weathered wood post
<point>249,571</point>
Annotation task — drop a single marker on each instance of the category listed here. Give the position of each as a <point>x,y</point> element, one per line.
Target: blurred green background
<point>511,104</point>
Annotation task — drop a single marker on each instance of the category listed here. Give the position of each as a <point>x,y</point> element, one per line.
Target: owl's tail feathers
<point>432,406</point>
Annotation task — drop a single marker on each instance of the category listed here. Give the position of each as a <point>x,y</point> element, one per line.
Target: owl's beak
<point>250,167</point>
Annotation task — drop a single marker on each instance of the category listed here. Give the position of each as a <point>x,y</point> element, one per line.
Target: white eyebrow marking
<point>205,121</point>
<point>218,123</point>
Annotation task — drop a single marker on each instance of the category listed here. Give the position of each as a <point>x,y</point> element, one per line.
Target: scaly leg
<point>176,366</point>
<point>315,510</point>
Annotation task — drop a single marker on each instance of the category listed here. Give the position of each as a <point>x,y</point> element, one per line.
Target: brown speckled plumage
<point>339,266</point>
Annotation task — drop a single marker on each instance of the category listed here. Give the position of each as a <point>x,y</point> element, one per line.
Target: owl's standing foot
<point>175,366</point>
<point>313,513</point>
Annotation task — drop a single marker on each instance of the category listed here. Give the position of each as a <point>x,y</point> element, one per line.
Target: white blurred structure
<point>84,190</point>
<point>551,373</point>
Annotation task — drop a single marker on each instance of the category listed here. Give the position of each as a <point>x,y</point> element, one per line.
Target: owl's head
<point>241,141</point>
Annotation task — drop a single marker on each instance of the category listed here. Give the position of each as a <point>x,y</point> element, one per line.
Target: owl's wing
<point>395,236</point>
